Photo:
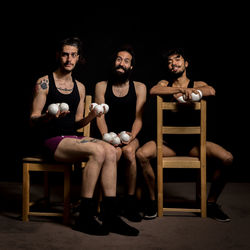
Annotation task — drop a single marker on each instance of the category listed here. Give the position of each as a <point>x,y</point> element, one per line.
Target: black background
<point>214,36</point>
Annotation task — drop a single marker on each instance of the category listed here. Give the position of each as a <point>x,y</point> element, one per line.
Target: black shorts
<point>181,144</point>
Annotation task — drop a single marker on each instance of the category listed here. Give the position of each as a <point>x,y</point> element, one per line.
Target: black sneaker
<point>150,210</point>
<point>131,211</point>
<point>214,211</point>
<point>90,226</point>
<point>116,225</point>
<point>132,215</point>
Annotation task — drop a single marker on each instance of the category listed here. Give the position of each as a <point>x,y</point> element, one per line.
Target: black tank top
<point>190,84</point>
<point>170,98</point>
<point>186,116</point>
<point>64,125</point>
<point>121,113</point>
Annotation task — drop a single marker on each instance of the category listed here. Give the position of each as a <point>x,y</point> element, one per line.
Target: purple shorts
<point>53,142</point>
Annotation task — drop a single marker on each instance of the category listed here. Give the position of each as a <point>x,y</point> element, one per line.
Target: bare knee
<point>141,156</point>
<point>129,153</point>
<point>110,152</point>
<point>227,159</point>
<point>98,154</point>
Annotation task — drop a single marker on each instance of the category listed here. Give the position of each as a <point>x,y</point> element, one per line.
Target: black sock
<point>112,221</point>
<point>86,222</point>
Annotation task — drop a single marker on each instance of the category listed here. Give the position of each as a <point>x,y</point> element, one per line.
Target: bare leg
<point>129,154</point>
<point>75,150</point>
<point>219,177</point>
<point>109,170</point>
<point>218,180</point>
<point>144,155</point>
<point>118,153</point>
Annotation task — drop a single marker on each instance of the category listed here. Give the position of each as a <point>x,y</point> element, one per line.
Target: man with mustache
<point>126,99</point>
<point>180,86</point>
<point>60,139</point>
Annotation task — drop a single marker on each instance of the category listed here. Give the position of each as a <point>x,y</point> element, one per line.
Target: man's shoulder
<point>43,78</point>
<point>140,88</point>
<point>100,88</point>
<point>80,85</point>
<point>139,84</point>
<point>102,83</point>
<point>162,82</point>
<point>199,84</point>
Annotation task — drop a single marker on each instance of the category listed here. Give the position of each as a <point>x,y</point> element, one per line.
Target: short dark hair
<point>174,51</point>
<point>72,41</point>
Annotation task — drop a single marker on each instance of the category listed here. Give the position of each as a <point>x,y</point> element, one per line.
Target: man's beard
<point>175,75</point>
<point>120,77</point>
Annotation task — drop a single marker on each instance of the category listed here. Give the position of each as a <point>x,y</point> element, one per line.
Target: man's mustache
<point>121,67</point>
<point>66,64</point>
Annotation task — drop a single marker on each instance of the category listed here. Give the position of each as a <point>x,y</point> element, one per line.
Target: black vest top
<point>186,116</point>
<point>64,125</point>
<point>121,113</point>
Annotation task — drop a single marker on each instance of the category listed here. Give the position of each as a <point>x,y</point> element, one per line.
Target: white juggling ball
<point>53,109</point>
<point>113,134</point>
<point>124,137</point>
<point>64,107</point>
<point>92,106</point>
<point>105,107</point>
<point>107,137</point>
<point>99,109</point>
<point>116,141</point>
<point>196,97</point>
<point>181,99</point>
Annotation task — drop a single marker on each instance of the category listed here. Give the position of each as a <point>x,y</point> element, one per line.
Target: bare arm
<point>100,90</point>
<point>204,88</point>
<point>141,93</point>
<point>161,88</point>
<point>39,100</point>
<point>79,120</point>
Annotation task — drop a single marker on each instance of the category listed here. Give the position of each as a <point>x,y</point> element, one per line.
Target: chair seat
<point>38,159</point>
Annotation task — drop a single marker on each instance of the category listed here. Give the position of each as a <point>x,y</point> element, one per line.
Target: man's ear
<point>186,64</point>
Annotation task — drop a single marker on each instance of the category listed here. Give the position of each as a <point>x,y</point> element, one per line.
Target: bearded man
<point>126,99</point>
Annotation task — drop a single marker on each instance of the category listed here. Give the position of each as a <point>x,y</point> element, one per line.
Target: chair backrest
<point>86,129</point>
<point>174,106</point>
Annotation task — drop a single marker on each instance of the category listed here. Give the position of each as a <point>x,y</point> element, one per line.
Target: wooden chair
<point>184,162</point>
<point>39,164</point>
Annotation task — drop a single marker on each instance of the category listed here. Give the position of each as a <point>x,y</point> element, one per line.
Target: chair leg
<point>66,210</point>
<point>46,188</point>
<point>203,193</point>
<point>26,192</point>
<point>160,192</point>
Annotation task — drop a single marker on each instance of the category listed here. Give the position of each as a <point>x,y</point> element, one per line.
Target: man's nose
<point>122,63</point>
